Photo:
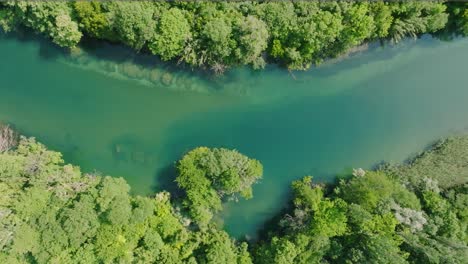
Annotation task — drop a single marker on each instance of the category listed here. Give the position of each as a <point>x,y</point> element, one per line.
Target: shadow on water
<point>70,149</point>
<point>118,54</point>
<point>50,52</point>
<point>271,224</point>
<point>165,181</point>
<point>137,65</point>
<point>123,146</point>
<point>113,55</point>
<point>47,50</point>
<point>144,65</point>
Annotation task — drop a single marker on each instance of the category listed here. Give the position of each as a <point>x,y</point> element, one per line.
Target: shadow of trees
<point>165,181</point>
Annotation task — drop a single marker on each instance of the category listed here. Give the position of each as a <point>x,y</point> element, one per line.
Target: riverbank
<point>122,63</point>
<point>143,69</point>
<point>217,35</point>
<point>95,218</point>
<point>415,212</point>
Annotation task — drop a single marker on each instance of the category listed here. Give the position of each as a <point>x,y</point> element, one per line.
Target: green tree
<point>209,175</point>
<point>382,16</point>
<point>172,34</point>
<point>253,40</point>
<point>92,19</point>
<point>413,18</point>
<point>80,221</point>
<point>51,18</point>
<point>358,25</point>
<point>216,247</point>
<point>459,17</point>
<point>133,21</point>
<point>374,188</point>
<point>66,33</point>
<point>113,200</point>
<point>278,251</point>
<point>112,245</point>
<point>217,39</point>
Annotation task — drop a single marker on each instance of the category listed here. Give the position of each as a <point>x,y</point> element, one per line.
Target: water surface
<point>383,104</point>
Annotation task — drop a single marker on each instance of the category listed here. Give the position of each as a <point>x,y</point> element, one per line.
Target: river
<point>386,103</point>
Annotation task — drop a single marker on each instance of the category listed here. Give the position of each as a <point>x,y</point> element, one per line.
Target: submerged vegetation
<point>217,35</point>
<point>51,212</point>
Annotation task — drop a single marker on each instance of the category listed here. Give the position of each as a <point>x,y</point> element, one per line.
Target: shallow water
<point>383,104</point>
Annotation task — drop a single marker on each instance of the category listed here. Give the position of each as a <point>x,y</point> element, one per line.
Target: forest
<point>51,212</point>
<point>217,35</point>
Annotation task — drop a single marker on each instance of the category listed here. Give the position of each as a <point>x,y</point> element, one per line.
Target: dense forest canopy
<point>51,212</point>
<point>220,34</point>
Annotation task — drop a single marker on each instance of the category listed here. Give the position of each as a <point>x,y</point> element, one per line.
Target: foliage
<point>209,175</point>
<point>91,18</point>
<point>377,217</point>
<point>375,188</point>
<point>52,213</point>
<point>458,17</point>
<point>132,22</point>
<point>413,18</point>
<point>51,18</point>
<point>173,32</point>
<point>253,41</point>
<point>220,34</point>
<point>67,33</point>
<point>445,163</point>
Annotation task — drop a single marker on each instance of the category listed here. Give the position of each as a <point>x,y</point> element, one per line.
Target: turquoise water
<point>383,104</point>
